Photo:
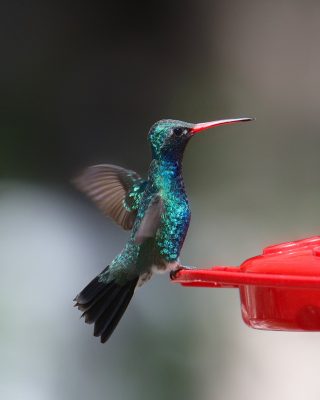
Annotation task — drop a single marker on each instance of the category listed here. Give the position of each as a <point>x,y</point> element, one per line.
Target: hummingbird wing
<point>116,191</point>
<point>151,220</point>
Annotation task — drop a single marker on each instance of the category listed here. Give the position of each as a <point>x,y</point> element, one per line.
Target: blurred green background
<point>81,83</point>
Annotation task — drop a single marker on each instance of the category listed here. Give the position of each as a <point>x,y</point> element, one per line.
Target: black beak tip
<point>248,119</point>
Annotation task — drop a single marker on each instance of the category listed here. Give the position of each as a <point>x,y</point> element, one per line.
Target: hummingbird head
<point>168,138</point>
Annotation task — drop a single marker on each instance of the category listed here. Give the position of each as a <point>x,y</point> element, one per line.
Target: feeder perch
<point>279,289</point>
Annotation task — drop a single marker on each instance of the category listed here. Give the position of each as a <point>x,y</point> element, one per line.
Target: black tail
<point>104,304</point>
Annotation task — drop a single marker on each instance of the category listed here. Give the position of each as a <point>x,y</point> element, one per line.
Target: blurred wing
<point>115,190</point>
<point>151,221</point>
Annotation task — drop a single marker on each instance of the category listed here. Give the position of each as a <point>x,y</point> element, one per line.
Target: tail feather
<point>107,316</point>
<point>94,309</point>
<point>104,304</point>
<point>91,290</point>
<point>107,332</point>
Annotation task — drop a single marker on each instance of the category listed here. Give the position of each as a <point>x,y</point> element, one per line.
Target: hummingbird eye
<point>179,131</point>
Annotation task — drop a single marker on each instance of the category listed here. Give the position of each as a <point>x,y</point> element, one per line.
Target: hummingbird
<point>157,212</point>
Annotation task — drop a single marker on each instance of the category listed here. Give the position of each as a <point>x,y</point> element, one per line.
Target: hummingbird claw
<point>174,273</point>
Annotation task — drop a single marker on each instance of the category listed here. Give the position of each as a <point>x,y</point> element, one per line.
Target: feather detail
<point>103,304</point>
<point>151,221</point>
<point>115,191</point>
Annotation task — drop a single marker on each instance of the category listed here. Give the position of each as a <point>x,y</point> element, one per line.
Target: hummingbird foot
<point>174,273</point>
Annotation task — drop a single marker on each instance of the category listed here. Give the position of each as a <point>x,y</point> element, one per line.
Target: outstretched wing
<point>115,190</point>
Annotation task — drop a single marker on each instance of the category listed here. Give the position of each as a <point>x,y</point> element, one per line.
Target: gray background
<point>81,83</point>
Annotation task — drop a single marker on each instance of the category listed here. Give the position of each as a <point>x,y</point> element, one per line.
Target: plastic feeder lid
<point>279,289</point>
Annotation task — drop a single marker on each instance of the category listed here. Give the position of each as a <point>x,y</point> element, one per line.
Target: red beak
<point>205,125</point>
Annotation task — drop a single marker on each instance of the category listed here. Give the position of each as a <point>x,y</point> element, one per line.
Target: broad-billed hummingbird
<point>156,210</point>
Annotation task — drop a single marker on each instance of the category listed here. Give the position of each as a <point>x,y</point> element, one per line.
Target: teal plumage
<point>157,212</point>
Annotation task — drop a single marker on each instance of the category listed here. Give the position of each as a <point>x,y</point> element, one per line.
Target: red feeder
<point>279,289</point>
